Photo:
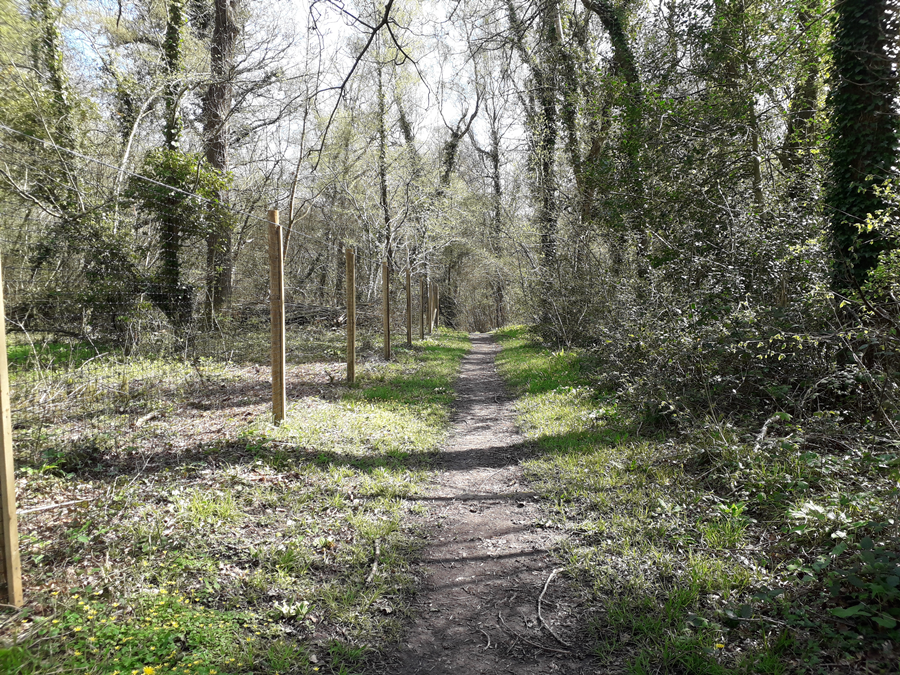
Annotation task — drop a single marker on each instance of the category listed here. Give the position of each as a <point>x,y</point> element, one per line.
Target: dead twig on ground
<point>489,640</point>
<point>540,616</point>
<point>375,564</point>
<point>141,421</point>
<point>50,507</point>
<point>527,641</point>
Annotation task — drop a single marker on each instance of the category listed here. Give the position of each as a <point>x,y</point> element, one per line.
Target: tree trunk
<point>382,172</point>
<point>217,108</point>
<point>864,142</point>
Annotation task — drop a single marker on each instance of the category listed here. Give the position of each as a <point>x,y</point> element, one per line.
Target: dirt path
<point>488,562</point>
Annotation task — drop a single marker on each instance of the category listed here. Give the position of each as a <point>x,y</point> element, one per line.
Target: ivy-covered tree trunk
<point>47,59</point>
<point>173,296</point>
<point>217,108</point>
<point>864,133</point>
<point>542,123</point>
<point>625,67</point>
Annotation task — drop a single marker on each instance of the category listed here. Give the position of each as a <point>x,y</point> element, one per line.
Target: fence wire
<point>125,294</point>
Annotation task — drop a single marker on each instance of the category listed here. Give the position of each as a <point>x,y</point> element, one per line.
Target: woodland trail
<point>489,557</point>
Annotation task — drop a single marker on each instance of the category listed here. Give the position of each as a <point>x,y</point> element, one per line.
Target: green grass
<point>23,355</point>
<point>251,552</point>
<point>699,553</point>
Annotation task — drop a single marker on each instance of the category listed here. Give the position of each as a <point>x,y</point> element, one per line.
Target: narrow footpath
<point>489,563</point>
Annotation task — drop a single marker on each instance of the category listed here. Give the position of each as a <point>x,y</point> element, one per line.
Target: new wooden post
<point>351,316</point>
<point>276,310</point>
<point>408,308</point>
<point>10,565</point>
<point>428,323</point>
<point>437,306</point>
<point>386,308</point>
<point>422,308</point>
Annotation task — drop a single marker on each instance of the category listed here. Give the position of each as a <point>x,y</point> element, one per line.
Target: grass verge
<point>213,542</point>
<point>712,550</point>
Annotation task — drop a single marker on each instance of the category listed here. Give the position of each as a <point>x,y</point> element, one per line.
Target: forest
<point>679,216</point>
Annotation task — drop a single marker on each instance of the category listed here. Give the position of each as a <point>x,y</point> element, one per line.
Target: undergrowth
<point>714,547</point>
<point>247,548</point>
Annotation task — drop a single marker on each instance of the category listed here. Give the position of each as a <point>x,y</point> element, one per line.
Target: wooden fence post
<point>351,316</point>
<point>432,297</point>
<point>437,306</point>
<point>10,564</point>
<point>276,310</point>
<point>408,309</point>
<point>429,325</point>
<point>421,308</point>
<point>386,308</point>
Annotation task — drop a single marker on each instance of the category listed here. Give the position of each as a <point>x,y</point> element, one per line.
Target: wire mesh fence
<point>126,293</point>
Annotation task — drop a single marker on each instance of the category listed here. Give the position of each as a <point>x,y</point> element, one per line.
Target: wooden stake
<point>428,314</point>
<point>386,308</point>
<point>10,565</point>
<point>422,308</point>
<point>437,306</point>
<point>276,310</point>
<point>351,316</point>
<point>408,308</point>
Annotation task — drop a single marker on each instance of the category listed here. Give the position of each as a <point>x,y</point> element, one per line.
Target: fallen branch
<point>541,618</point>
<point>375,564</point>
<point>57,506</point>
<point>140,421</point>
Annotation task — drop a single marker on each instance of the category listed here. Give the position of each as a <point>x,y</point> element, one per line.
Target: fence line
<point>107,285</point>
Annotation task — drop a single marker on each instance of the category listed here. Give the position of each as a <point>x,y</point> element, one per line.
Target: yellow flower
<point>77,628</point>
<point>149,670</point>
<point>92,639</point>
<point>720,645</point>
<point>77,653</point>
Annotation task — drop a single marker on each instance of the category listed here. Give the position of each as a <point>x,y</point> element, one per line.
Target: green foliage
<point>866,584</point>
<point>712,550</point>
<point>159,631</point>
<point>184,190</point>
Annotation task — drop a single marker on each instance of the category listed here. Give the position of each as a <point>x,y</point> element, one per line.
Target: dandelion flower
<point>149,670</point>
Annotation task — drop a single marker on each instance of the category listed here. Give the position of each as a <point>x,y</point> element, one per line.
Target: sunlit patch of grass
<point>208,508</point>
